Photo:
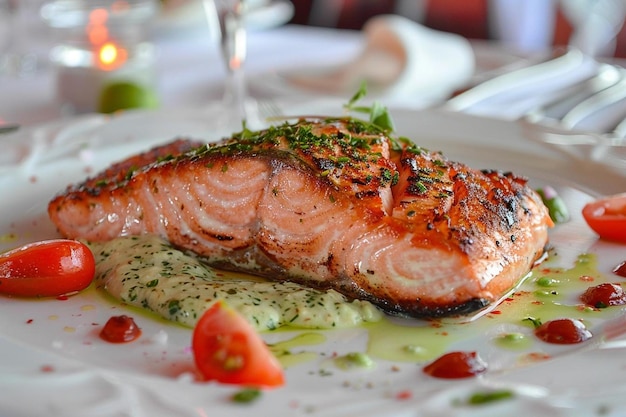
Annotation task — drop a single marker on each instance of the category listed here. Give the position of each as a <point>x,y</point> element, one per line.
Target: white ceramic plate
<point>54,364</point>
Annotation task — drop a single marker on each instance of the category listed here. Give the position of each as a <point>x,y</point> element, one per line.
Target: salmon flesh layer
<point>328,203</point>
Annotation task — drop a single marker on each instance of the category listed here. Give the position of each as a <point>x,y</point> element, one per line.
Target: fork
<point>268,109</point>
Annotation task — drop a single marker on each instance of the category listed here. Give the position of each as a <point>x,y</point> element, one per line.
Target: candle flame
<point>107,55</point>
<point>111,56</point>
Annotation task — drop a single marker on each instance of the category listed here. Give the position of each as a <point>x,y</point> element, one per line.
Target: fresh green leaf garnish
<point>480,398</point>
<point>535,322</point>
<point>361,92</point>
<point>246,395</point>
<point>556,206</point>
<point>378,114</point>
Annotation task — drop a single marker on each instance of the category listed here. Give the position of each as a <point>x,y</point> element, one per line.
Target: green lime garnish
<point>124,95</point>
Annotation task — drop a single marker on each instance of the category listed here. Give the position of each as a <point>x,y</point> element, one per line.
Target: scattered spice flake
<point>586,278</point>
<point>46,368</point>
<point>29,321</point>
<point>536,357</point>
<point>8,237</point>
<point>33,179</point>
<point>404,395</point>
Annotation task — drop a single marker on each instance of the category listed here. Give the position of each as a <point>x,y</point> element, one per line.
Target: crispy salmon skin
<point>329,203</point>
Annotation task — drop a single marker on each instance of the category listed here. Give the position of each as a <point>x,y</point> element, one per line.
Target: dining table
<point>55,364</point>
<point>190,70</point>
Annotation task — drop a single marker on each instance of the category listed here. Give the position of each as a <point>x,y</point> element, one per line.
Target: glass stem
<point>233,44</point>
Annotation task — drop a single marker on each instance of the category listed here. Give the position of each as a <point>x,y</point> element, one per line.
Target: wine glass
<point>23,45</point>
<point>228,16</point>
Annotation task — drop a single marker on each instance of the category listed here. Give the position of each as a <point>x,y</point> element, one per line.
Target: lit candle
<point>105,56</point>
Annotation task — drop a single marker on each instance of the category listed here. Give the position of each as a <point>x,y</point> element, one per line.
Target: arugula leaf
<point>378,114</point>
<point>361,92</point>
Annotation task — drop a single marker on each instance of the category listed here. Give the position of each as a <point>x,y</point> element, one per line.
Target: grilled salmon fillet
<point>329,203</point>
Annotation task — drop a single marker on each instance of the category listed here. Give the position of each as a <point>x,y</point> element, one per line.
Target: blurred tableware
<point>514,94</point>
<point>526,26</point>
<point>8,127</point>
<point>595,24</point>
<point>178,16</point>
<point>102,45</point>
<point>402,62</point>
<point>24,46</point>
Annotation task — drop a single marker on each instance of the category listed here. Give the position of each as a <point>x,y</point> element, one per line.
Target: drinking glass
<point>228,16</point>
<point>23,41</point>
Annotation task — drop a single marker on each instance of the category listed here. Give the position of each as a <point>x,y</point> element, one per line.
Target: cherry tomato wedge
<point>228,349</point>
<point>607,217</point>
<point>455,365</point>
<point>46,269</point>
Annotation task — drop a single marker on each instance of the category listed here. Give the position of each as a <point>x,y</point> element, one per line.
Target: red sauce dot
<point>120,329</point>
<point>620,269</point>
<point>563,332</point>
<point>456,365</point>
<point>604,295</point>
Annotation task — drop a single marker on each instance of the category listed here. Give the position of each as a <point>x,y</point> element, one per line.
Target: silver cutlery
<point>515,80</point>
<point>608,103</point>
<point>567,99</point>
<point>9,127</point>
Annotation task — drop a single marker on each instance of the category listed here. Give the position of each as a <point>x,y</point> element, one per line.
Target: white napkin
<point>402,62</point>
<point>518,93</point>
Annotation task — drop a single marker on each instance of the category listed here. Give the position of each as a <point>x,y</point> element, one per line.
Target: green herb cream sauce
<point>145,271</point>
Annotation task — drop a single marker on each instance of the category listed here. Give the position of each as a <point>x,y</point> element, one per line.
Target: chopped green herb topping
<point>247,395</point>
<point>481,398</point>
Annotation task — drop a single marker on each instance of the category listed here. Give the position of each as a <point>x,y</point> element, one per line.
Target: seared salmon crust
<point>329,203</point>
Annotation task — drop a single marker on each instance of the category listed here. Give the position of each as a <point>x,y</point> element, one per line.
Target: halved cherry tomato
<point>607,217</point>
<point>227,349</point>
<point>456,365</point>
<point>46,269</point>
<point>563,331</point>
<point>604,295</point>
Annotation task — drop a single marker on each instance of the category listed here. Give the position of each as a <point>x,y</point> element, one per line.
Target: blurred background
<point>555,22</point>
<point>56,61</point>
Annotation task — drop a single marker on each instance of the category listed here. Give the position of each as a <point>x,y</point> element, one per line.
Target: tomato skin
<point>607,217</point>
<point>456,365</point>
<point>604,295</point>
<point>228,349</point>
<point>563,332</point>
<point>46,269</point>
